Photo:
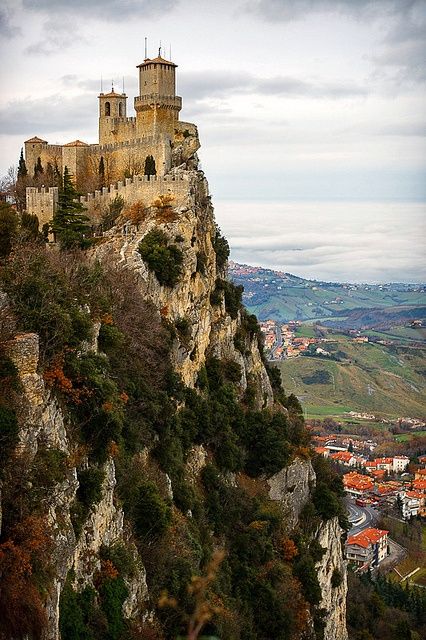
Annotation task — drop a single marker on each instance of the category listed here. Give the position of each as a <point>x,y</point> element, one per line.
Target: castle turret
<point>112,111</point>
<point>157,106</point>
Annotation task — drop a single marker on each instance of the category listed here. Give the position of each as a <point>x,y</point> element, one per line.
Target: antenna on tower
<point>112,85</point>
<point>102,89</point>
<point>159,50</point>
<point>146,55</point>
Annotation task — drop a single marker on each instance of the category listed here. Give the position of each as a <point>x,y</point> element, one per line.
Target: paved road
<point>360,517</point>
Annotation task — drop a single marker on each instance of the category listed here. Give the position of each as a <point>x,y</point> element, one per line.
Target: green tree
<point>29,226</point>
<point>8,226</point>
<point>101,172</point>
<point>22,167</point>
<point>69,222</point>
<point>38,168</point>
<point>150,169</point>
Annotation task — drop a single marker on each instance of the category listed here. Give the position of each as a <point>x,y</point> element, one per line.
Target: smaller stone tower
<point>157,106</point>
<point>112,111</point>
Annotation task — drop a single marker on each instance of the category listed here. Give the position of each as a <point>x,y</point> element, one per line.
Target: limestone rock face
<point>191,227</point>
<point>42,423</point>
<point>332,564</point>
<point>39,415</point>
<point>292,487</point>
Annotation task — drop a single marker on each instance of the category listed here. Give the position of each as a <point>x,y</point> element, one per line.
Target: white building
<point>400,463</point>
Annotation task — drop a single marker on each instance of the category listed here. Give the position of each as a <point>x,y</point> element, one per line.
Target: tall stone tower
<point>112,112</point>
<point>157,106</point>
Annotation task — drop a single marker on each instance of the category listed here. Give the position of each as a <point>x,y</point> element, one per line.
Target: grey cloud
<point>44,115</point>
<point>56,36</point>
<point>370,241</point>
<point>7,29</point>
<point>288,10</point>
<point>94,85</point>
<point>220,84</point>
<point>103,9</point>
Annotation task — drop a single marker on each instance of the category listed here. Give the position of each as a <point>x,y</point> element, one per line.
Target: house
<point>367,548</point>
<point>411,503</point>
<point>420,474</point>
<point>384,463</point>
<point>422,460</point>
<point>322,451</point>
<point>356,484</point>
<point>400,463</point>
<point>344,457</point>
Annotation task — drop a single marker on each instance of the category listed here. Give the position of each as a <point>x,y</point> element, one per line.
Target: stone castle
<point>124,145</point>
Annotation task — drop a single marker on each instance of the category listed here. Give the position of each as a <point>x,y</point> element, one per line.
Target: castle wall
<point>138,188</point>
<point>42,202</point>
<point>46,152</point>
<point>128,157</point>
<point>113,130</point>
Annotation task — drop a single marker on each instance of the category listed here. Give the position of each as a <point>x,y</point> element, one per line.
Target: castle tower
<point>157,106</point>
<point>112,108</point>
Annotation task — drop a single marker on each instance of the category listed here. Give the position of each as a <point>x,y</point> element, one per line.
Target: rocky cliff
<point>138,474</point>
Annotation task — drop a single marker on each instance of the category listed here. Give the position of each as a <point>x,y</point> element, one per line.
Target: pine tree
<point>38,169</point>
<point>22,167</point>
<point>150,169</point>
<point>69,223</point>
<point>101,172</point>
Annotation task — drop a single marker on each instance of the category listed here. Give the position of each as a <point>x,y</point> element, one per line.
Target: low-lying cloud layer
<point>353,242</point>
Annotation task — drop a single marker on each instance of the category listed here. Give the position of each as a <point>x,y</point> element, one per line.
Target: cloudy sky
<point>321,101</point>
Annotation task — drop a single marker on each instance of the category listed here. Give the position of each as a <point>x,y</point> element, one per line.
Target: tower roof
<point>76,143</point>
<point>157,60</point>
<point>112,94</point>
<point>35,139</point>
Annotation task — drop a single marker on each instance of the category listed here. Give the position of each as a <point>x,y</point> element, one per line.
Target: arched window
<point>107,109</point>
<point>120,109</point>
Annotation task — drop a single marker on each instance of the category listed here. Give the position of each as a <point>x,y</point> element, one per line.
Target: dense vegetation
<point>383,610</point>
<point>120,401</point>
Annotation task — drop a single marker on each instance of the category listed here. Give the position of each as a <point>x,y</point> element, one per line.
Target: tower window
<point>120,108</point>
<point>107,109</point>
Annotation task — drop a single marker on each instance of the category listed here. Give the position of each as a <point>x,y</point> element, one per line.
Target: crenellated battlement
<point>44,201</point>
<point>158,182</point>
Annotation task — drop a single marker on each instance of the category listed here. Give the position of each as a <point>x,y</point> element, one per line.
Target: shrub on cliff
<point>161,257</point>
<point>221,247</point>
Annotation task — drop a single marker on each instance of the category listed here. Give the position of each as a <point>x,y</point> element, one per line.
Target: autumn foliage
<point>22,556</point>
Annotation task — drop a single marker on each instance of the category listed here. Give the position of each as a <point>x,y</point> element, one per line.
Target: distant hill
<point>283,296</point>
<point>384,380</point>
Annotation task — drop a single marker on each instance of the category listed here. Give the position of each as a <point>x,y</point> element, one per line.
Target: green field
<point>371,378</point>
<point>403,437</point>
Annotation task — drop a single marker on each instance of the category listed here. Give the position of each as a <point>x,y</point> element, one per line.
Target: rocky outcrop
<point>331,571</point>
<point>42,424</point>
<point>211,330</point>
<point>39,414</point>
<point>292,487</point>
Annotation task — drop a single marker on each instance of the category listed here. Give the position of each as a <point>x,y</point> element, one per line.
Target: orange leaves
<point>288,549</point>
<point>113,449</point>
<point>107,318</point>
<point>55,377</point>
<point>21,608</point>
<point>136,213</point>
<point>124,397</point>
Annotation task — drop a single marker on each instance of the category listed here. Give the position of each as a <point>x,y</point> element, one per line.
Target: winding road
<point>360,517</point>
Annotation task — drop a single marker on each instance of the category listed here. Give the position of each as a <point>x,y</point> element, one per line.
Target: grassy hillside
<point>384,380</point>
<point>283,296</point>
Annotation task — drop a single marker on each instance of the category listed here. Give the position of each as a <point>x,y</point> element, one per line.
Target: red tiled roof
<point>367,536</point>
<point>35,139</point>
<point>76,143</point>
